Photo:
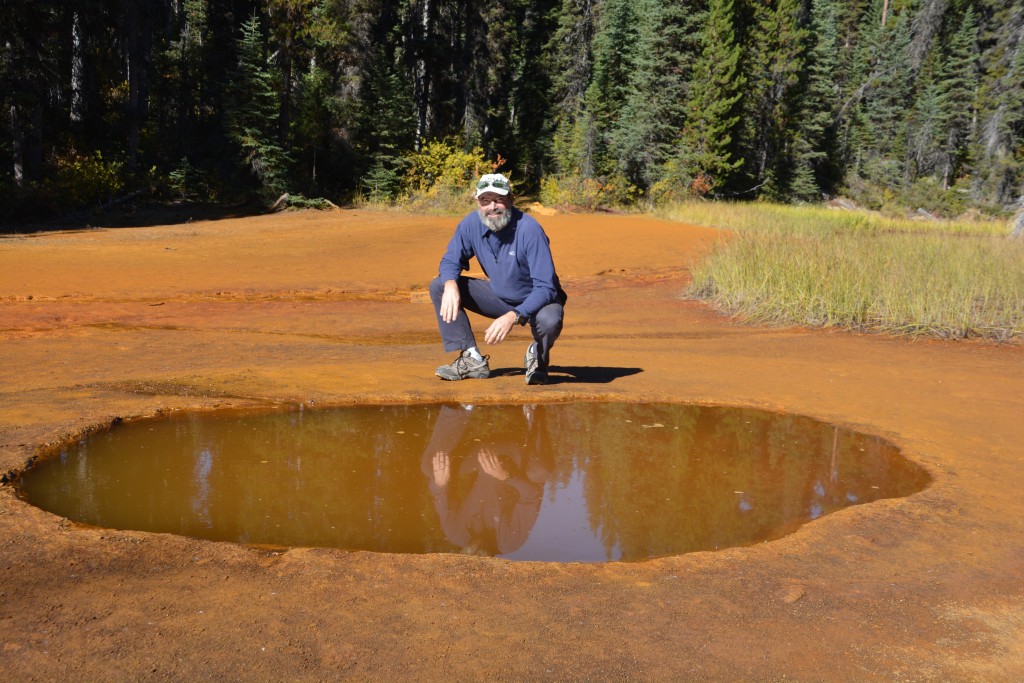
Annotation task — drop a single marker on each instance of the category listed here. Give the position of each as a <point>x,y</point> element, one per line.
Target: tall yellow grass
<point>813,266</point>
<point>814,219</point>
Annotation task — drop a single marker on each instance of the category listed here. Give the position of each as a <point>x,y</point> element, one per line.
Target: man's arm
<point>499,329</point>
<point>451,301</point>
<point>542,273</point>
<point>456,256</point>
<point>455,260</point>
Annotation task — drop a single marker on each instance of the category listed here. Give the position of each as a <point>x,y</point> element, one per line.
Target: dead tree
<point>1018,224</point>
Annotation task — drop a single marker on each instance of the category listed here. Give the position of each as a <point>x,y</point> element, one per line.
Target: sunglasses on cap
<point>496,182</point>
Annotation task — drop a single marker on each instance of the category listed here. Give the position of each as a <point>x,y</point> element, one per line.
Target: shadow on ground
<point>575,374</point>
<point>132,216</point>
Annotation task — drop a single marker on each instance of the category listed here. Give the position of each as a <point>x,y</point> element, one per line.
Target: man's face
<point>495,210</point>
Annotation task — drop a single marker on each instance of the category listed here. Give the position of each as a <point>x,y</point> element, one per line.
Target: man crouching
<point>522,286</point>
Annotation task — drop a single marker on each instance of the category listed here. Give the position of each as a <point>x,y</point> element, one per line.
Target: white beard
<point>496,223</point>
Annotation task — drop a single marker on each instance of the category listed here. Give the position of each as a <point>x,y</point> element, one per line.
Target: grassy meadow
<point>821,267</point>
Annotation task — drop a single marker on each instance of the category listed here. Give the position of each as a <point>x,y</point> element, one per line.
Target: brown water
<point>585,482</point>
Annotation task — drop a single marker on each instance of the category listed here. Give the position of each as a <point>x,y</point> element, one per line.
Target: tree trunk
<point>77,70</point>
<point>17,148</point>
<point>422,76</point>
<point>33,150</point>
<point>285,113</point>
<point>134,65</point>
<point>1018,225</point>
<point>186,86</point>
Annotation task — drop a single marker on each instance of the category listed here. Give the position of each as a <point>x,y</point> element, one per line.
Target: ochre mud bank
<point>330,308</point>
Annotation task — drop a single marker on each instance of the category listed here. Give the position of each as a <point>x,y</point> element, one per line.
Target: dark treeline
<point>918,102</point>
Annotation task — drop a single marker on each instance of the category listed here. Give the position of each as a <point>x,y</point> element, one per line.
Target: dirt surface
<point>330,308</point>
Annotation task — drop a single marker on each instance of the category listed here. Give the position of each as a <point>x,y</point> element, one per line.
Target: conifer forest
<point>639,102</point>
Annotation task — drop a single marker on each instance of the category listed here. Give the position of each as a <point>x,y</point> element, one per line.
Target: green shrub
<point>189,183</point>
<point>927,194</point>
<point>443,166</point>
<point>589,194</point>
<point>82,180</point>
<point>298,201</point>
<point>381,183</point>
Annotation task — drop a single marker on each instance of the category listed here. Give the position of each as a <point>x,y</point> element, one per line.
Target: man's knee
<point>436,289</point>
<point>549,319</point>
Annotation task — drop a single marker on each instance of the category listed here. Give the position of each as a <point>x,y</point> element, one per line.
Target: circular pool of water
<point>579,482</point>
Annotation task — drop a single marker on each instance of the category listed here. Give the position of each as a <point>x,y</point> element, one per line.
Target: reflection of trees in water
<point>711,477</point>
<point>338,478</point>
<point>657,479</point>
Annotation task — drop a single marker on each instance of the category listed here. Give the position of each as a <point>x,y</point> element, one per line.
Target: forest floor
<point>329,309</point>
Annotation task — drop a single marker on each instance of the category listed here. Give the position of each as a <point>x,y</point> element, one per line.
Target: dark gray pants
<point>477,296</point>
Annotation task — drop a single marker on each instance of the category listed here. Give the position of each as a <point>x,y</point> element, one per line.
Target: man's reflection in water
<point>487,492</point>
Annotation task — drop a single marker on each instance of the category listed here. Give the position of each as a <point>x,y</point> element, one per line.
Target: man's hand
<point>451,301</point>
<point>491,465</point>
<point>442,465</point>
<point>499,329</point>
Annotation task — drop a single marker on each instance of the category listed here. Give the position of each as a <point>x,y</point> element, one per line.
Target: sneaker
<point>534,373</point>
<point>465,367</point>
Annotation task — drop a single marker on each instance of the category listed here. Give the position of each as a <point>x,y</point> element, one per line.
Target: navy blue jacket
<point>517,260</point>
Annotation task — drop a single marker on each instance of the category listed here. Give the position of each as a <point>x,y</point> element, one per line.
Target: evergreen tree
<point>813,143</point>
<point>531,98</point>
<point>316,110</point>
<point>439,42</point>
<point>180,86</point>
<point>878,127</point>
<point>998,144</point>
<point>615,57</point>
<point>288,19</point>
<point>706,161</point>
<point>775,61</point>
<point>718,97</point>
<point>571,69</point>
<point>322,165</point>
<point>30,51</point>
<point>925,129</point>
<point>939,122</point>
<point>507,88</point>
<point>960,75</point>
<point>653,110</point>
<point>386,118</point>
<point>254,112</point>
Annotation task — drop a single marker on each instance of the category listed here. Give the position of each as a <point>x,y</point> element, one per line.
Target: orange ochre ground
<point>330,308</point>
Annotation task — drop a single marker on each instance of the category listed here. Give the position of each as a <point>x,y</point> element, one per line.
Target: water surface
<point>585,482</point>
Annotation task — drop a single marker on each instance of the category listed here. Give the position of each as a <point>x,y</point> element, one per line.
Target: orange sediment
<point>330,309</point>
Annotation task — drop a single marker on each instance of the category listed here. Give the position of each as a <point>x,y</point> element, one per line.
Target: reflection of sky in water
<point>563,524</point>
<point>201,476</point>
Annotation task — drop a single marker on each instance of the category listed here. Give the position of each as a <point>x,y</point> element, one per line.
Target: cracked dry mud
<point>329,309</point>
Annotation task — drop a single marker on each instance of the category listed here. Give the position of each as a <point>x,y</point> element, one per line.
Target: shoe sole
<point>474,375</point>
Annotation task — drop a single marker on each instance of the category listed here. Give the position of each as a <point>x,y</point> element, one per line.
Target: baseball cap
<point>493,182</point>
